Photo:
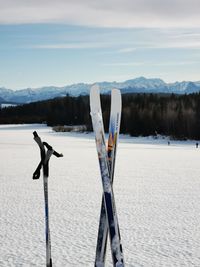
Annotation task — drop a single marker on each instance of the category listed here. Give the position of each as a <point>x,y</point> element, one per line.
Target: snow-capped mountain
<point>138,85</point>
<point>1,100</point>
<point>185,87</point>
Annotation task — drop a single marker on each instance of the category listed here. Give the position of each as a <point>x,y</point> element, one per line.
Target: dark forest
<point>173,115</point>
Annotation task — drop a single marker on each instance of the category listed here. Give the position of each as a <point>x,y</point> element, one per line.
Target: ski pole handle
<point>42,144</point>
<point>35,134</point>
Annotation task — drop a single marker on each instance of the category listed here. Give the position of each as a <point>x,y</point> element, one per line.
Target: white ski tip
<point>94,87</point>
<point>116,90</point>
<point>95,104</point>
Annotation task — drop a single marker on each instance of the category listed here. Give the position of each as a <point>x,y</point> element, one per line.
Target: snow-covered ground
<point>157,192</point>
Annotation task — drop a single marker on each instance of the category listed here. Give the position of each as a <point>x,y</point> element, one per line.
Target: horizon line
<point>97,82</point>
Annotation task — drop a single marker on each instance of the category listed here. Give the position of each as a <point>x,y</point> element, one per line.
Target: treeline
<point>142,114</point>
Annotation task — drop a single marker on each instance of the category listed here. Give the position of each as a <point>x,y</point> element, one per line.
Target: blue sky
<point>45,44</point>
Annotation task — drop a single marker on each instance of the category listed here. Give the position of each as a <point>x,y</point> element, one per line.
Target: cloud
<point>151,64</point>
<point>125,64</point>
<point>114,41</point>
<point>127,50</point>
<point>104,13</point>
<point>70,46</point>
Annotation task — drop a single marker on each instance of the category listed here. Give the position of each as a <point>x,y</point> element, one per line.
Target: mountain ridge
<point>137,85</point>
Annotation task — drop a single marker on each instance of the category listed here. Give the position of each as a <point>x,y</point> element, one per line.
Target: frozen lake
<point>157,193</point>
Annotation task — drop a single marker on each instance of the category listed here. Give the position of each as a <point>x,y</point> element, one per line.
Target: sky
<point>48,42</point>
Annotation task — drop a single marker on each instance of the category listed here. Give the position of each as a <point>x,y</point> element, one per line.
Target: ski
<point>44,164</point>
<point>114,126</point>
<point>112,221</point>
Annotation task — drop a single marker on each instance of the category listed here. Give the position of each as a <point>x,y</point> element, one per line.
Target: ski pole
<point>44,164</point>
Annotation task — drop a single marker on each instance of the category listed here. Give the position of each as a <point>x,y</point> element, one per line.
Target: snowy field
<point>157,192</point>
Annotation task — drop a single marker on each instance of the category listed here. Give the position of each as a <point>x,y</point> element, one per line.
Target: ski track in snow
<point>157,193</point>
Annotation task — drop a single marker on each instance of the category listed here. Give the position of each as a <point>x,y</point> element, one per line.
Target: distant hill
<point>138,85</point>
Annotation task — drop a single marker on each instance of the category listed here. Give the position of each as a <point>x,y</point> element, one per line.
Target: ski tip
<point>116,100</point>
<point>94,99</point>
<point>94,89</point>
<point>116,91</point>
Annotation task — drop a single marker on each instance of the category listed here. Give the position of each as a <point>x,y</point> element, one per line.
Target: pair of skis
<point>44,164</point>
<point>108,218</point>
